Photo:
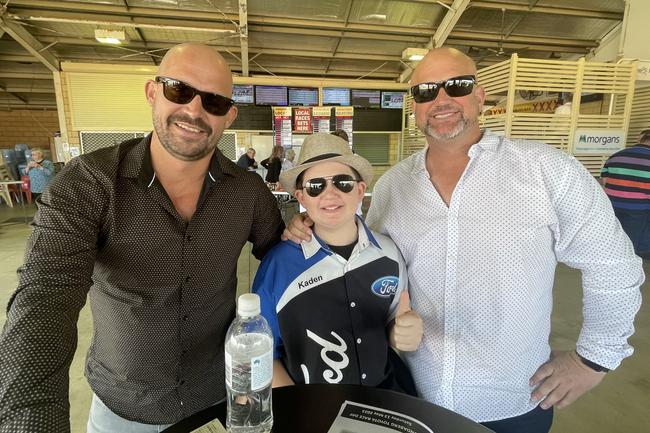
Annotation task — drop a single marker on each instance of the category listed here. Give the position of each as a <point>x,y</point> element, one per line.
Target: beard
<point>448,133</point>
<point>179,147</point>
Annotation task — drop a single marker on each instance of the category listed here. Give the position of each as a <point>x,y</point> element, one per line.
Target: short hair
<point>250,149</point>
<point>341,133</point>
<point>644,137</point>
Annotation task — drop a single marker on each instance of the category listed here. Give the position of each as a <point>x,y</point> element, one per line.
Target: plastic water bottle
<point>249,369</point>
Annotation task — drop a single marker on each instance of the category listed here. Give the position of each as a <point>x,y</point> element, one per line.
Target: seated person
<point>247,160</point>
<point>336,303</point>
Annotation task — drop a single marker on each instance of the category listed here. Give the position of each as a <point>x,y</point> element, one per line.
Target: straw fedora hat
<point>321,147</point>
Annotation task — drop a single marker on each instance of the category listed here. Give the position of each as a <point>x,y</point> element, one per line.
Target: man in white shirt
<point>482,221</point>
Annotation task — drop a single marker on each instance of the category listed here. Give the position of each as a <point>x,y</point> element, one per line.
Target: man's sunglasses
<point>454,87</point>
<point>180,93</point>
<point>342,182</point>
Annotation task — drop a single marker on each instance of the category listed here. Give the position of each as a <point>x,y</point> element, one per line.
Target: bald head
<point>202,60</point>
<point>442,63</point>
<point>190,129</point>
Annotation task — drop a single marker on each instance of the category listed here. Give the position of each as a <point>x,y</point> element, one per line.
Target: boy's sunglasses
<point>180,93</point>
<point>342,182</point>
<point>454,87</point>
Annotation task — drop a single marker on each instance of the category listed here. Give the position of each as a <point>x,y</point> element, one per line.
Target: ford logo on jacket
<point>385,286</point>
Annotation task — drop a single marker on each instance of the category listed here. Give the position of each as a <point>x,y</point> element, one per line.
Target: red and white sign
<point>344,116</point>
<point>321,117</point>
<point>282,126</point>
<point>302,120</point>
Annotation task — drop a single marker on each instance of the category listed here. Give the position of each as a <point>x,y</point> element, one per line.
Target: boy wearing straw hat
<point>336,303</point>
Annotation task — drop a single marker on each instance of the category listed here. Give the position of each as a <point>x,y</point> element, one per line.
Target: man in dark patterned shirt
<point>151,229</point>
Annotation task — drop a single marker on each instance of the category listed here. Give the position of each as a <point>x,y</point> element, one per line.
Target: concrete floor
<point>619,404</point>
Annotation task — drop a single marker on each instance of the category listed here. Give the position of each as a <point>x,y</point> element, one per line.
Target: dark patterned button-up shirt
<point>162,289</point>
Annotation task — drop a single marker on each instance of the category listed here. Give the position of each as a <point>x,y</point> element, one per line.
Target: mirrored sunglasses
<point>454,87</point>
<point>180,93</point>
<point>342,182</point>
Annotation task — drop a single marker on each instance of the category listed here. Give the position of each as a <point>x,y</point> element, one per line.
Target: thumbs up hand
<point>406,333</point>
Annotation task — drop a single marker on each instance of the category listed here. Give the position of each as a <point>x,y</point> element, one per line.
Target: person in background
<point>626,179</point>
<point>342,134</point>
<point>149,231</point>
<point>287,162</point>
<point>40,171</point>
<point>343,292</point>
<point>482,222</point>
<point>273,165</point>
<point>247,160</point>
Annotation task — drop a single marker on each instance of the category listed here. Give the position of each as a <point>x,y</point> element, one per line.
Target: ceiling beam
<point>340,38</point>
<point>333,73</point>
<point>442,32</point>
<point>415,36</point>
<point>22,58</point>
<point>26,76</point>
<point>515,46</point>
<point>410,39</point>
<point>7,106</point>
<point>99,12</point>
<point>21,88</point>
<point>4,89</point>
<point>141,36</point>
<point>533,7</point>
<point>30,43</point>
<point>533,40</point>
<point>448,22</point>
<point>243,36</point>
<point>233,48</point>
<point>122,22</point>
<point>210,16</point>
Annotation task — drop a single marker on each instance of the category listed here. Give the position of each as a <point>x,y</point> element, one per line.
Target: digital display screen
<point>242,93</point>
<point>336,96</point>
<point>271,95</point>
<point>392,99</point>
<point>303,96</point>
<point>366,98</point>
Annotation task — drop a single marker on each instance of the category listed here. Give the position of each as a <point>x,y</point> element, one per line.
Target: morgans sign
<point>598,141</point>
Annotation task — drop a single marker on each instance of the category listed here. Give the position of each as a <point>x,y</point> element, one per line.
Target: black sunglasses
<point>342,182</point>
<point>180,93</point>
<point>454,87</point>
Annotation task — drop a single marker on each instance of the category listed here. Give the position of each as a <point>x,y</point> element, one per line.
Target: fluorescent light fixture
<point>414,54</point>
<point>114,37</point>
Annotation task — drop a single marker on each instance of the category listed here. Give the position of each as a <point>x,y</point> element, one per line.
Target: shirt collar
<point>364,240</point>
<point>488,142</point>
<point>137,164</point>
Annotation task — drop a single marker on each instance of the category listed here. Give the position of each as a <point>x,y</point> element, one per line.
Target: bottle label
<point>261,370</point>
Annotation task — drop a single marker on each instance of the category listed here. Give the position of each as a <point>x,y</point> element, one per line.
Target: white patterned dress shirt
<point>481,270</point>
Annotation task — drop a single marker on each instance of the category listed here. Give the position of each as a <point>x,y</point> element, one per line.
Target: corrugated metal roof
<point>339,38</point>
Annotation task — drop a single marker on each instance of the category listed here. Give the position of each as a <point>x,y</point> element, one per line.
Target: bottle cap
<point>248,305</point>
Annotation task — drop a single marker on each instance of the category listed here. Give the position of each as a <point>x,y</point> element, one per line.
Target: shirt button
<point>182,382</point>
<point>183,351</point>
<point>358,341</point>
<point>187,279</point>
<point>189,238</point>
<point>352,304</point>
<point>185,318</point>
<point>363,376</point>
